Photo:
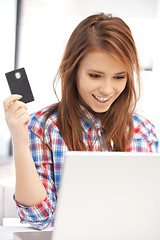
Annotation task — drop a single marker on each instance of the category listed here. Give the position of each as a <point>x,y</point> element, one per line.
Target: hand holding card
<point>19,84</point>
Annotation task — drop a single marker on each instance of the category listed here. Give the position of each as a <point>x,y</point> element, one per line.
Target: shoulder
<point>143,128</point>
<point>37,121</point>
<point>140,120</point>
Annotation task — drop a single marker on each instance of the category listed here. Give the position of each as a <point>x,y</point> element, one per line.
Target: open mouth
<point>101,99</point>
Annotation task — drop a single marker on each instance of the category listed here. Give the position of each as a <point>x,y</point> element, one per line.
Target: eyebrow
<point>119,73</point>
<point>91,70</point>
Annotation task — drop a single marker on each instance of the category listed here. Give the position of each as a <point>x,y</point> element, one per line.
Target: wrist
<point>19,144</point>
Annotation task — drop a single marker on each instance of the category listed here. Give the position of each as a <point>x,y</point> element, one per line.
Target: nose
<point>106,86</point>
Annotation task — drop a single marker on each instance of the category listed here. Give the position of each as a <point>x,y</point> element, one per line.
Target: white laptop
<point>109,196</point>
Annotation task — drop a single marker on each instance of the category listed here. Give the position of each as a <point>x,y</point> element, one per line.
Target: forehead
<point>102,61</point>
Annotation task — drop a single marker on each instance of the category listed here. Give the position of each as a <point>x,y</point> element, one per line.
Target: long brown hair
<point>114,36</point>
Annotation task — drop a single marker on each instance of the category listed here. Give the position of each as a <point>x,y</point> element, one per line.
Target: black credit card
<point>19,84</point>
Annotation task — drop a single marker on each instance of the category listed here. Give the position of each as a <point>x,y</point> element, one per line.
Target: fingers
<point>15,106</point>
<point>26,119</point>
<point>15,111</point>
<point>17,119</point>
<point>12,105</point>
<point>23,114</point>
<point>8,101</point>
<point>14,122</point>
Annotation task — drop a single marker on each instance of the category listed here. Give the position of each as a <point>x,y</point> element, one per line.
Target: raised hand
<point>17,119</point>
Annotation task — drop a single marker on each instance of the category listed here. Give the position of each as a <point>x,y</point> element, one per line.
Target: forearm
<point>29,190</point>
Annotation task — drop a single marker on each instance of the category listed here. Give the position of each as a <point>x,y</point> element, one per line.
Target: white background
<point>45,28</point>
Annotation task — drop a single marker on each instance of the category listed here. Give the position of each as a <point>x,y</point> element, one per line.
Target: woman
<point>96,113</point>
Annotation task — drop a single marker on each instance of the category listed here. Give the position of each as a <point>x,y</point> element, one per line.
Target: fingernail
<point>19,96</point>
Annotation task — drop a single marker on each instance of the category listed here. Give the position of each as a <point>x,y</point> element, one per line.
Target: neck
<point>96,114</point>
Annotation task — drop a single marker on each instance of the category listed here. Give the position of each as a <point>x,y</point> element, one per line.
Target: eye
<point>119,77</point>
<point>94,75</point>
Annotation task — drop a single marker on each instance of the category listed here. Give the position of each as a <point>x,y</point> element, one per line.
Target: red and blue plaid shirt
<point>49,165</point>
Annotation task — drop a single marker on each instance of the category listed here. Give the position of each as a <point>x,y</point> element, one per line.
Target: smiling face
<point>100,80</point>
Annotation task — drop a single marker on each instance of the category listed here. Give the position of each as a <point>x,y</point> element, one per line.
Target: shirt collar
<point>90,119</point>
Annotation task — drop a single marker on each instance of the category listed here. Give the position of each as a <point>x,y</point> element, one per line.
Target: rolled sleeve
<point>39,216</point>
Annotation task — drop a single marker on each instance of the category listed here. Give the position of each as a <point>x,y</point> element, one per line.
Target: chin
<point>100,111</point>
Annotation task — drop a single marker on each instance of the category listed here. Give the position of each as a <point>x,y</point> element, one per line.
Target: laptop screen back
<point>109,196</point>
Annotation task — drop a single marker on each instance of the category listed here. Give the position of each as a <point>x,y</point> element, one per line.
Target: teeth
<point>101,99</point>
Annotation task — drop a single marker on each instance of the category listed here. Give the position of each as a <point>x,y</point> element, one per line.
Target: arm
<point>35,189</point>
<point>29,190</point>
<point>42,214</point>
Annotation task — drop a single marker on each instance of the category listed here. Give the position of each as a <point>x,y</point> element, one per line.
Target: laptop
<point>32,235</point>
<point>108,196</point>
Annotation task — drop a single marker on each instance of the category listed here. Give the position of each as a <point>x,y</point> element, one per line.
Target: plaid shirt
<point>49,164</point>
